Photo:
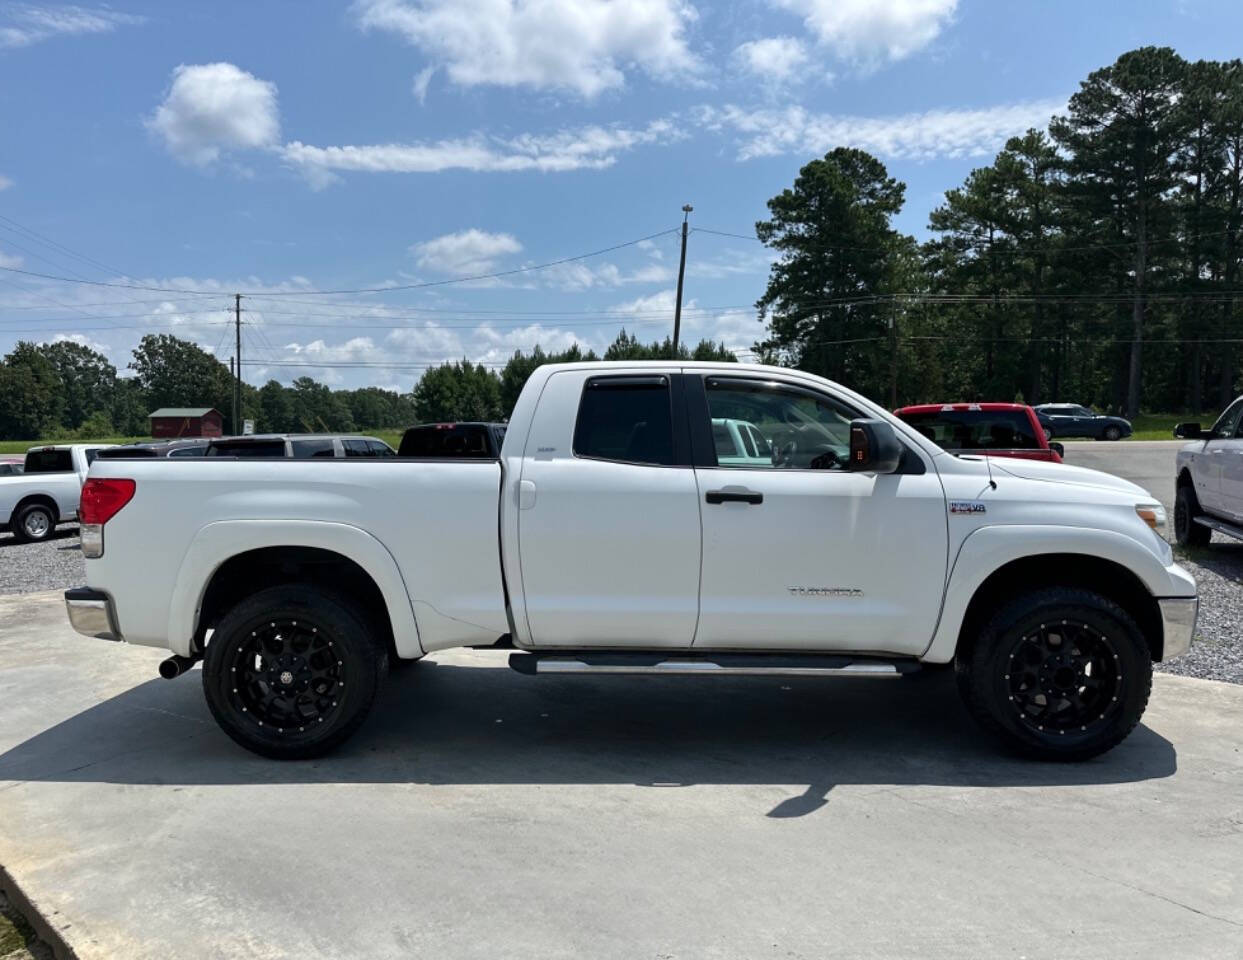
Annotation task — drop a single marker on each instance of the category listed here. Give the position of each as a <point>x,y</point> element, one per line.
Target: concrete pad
<point>486,814</point>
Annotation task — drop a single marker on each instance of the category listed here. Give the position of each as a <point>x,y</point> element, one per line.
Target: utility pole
<point>677,309</point>
<point>237,380</point>
<point>893,353</point>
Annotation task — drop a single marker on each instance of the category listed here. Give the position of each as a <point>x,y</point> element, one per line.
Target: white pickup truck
<point>607,538</point>
<point>46,493</point>
<point>1209,482</point>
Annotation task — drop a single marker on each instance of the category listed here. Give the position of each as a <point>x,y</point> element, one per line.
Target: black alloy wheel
<point>1058,673</point>
<point>292,671</point>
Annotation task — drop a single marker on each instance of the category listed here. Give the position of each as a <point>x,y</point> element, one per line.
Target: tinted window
<point>356,447</point>
<point>125,453</point>
<point>313,447</point>
<point>49,461</point>
<point>467,441</point>
<point>248,448</point>
<point>975,429</point>
<point>625,418</point>
<point>7,470</point>
<point>195,451</point>
<point>380,449</point>
<point>791,428</point>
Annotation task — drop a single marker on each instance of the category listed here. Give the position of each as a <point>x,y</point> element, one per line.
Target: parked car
<point>1209,484</point>
<point>609,537</point>
<point>190,447</point>
<point>1073,420</point>
<point>990,429</point>
<point>47,490</point>
<point>298,446</point>
<point>740,443</point>
<point>11,466</point>
<point>453,441</point>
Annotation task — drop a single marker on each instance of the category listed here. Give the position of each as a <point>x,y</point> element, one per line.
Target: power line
<point>394,288</point>
<point>14,226</point>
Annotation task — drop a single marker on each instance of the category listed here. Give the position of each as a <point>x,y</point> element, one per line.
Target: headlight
<point>1152,514</point>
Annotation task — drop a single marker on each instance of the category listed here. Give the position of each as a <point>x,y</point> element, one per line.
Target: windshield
<point>974,430</point>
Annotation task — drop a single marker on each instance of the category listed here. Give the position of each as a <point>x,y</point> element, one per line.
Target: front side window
<point>313,447</point>
<point>379,448</point>
<point>627,419</point>
<point>788,427</point>
<point>356,447</point>
<point>1227,424</point>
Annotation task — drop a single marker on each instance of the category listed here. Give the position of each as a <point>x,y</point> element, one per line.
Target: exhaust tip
<point>175,666</point>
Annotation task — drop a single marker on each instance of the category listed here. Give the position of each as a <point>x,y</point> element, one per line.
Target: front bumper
<point>92,614</point>
<point>1178,623</point>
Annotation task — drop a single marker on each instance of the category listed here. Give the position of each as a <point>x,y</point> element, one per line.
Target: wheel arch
<point>230,560</point>
<point>42,499</point>
<point>996,562</point>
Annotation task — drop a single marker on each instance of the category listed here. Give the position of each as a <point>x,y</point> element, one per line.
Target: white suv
<point>1210,479</point>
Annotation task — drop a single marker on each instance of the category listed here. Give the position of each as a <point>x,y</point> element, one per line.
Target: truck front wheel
<point>1058,673</point>
<point>292,671</point>
<point>1187,532</point>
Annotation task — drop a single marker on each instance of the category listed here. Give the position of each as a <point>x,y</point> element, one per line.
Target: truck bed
<point>437,521</point>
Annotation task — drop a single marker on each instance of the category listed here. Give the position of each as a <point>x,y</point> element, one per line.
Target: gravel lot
<point>1218,569</point>
<point>55,564</point>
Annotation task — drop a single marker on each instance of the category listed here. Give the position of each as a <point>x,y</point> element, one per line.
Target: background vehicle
<point>995,429</point>
<point>453,441</point>
<point>11,466</point>
<point>47,491</point>
<point>1209,484</point>
<point>192,447</point>
<point>610,537</point>
<point>1073,420</point>
<point>739,442</point>
<point>298,446</point>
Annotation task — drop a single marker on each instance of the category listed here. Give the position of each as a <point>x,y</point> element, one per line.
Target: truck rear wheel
<point>1187,532</point>
<point>34,523</point>
<point>291,671</point>
<point>1058,674</point>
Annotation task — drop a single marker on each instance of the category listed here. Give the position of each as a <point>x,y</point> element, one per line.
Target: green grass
<point>1160,426</point>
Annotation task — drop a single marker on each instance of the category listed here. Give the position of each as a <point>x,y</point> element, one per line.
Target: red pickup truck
<point>983,429</point>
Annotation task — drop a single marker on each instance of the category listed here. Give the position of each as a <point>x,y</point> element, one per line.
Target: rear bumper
<point>92,614</point>
<point>1178,622</point>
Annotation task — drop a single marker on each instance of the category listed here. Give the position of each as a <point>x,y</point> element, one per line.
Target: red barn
<point>186,422</point>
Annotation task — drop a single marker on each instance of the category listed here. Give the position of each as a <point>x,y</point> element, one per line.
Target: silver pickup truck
<point>47,491</point>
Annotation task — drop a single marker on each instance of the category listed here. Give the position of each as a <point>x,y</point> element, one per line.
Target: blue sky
<point>282,147</point>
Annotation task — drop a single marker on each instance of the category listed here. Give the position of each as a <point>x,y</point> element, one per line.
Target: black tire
<point>34,523</point>
<point>1113,432</point>
<point>311,661</point>
<point>1187,532</point>
<point>1003,685</point>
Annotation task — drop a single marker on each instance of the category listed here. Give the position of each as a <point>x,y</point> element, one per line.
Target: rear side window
<point>976,429</point>
<point>447,441</point>
<point>627,419</point>
<point>49,461</point>
<point>258,449</point>
<point>357,447</point>
<point>314,447</point>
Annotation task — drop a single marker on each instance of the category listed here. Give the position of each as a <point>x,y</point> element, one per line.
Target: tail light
<point>102,499</point>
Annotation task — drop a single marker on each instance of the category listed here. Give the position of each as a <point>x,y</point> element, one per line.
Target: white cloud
<point>964,132</point>
<point>869,32</point>
<point>81,340</point>
<point>22,24</point>
<point>592,147</point>
<point>421,81</point>
<point>584,46</point>
<point>5,182</point>
<point>576,277</point>
<point>215,107</point>
<point>774,60</point>
<point>10,260</point>
<point>466,252</point>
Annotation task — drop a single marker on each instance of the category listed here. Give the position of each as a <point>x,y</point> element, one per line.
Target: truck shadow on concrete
<point>448,724</point>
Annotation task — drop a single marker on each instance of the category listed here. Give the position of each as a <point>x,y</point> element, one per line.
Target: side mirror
<point>1058,448</point>
<point>1189,431</point>
<point>874,447</point>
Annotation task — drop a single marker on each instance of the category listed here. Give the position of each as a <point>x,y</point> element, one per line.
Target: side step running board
<point>716,664</point>
<point>1221,526</point>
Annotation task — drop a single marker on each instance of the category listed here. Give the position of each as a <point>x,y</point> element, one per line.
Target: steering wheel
<point>824,461</point>
<point>784,452</point>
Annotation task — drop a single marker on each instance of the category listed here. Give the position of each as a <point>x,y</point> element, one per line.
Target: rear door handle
<point>734,495</point>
